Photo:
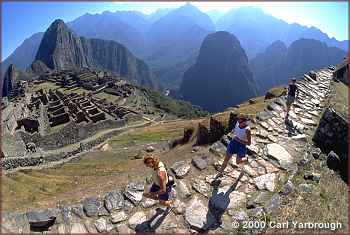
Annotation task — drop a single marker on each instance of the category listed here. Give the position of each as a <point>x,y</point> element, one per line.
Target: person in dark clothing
<point>291,95</point>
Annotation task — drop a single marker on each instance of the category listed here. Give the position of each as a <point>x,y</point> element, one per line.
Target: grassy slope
<point>340,101</point>
<point>179,108</point>
<point>249,109</point>
<point>41,188</point>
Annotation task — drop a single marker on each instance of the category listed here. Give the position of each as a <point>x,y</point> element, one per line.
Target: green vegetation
<point>179,108</point>
<point>277,91</point>
<point>109,97</point>
<point>324,204</point>
<point>46,86</point>
<point>339,100</point>
<point>89,173</point>
<point>38,187</point>
<point>145,137</point>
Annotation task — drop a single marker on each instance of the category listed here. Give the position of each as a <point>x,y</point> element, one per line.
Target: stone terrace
<point>202,202</point>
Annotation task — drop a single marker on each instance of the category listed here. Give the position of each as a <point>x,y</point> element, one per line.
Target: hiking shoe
<point>219,175</point>
<point>168,209</point>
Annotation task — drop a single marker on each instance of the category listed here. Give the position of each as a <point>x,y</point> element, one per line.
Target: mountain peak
<point>277,45</point>
<point>222,66</point>
<point>57,23</point>
<point>188,7</point>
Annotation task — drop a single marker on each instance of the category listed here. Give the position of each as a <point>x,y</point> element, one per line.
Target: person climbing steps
<point>241,137</point>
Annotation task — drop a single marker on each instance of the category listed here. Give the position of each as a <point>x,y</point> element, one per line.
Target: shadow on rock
<point>153,223</point>
<point>218,203</point>
<point>292,131</point>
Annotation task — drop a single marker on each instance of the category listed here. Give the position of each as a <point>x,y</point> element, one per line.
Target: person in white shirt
<point>241,137</point>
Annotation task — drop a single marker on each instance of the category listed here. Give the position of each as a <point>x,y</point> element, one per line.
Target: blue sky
<point>22,19</point>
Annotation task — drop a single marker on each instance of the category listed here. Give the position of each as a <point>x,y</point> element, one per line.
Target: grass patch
<point>145,136</point>
<point>78,90</point>
<point>109,97</point>
<point>246,108</point>
<point>326,203</point>
<point>35,188</point>
<point>179,108</point>
<point>339,100</point>
<point>46,86</point>
<point>277,91</point>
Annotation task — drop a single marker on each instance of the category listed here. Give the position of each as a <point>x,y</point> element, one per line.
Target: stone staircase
<point>202,202</point>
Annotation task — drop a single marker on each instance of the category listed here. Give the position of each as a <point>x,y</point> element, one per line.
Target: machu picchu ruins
<point>174,118</point>
<point>52,118</point>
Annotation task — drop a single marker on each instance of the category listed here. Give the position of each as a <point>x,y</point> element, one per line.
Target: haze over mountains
<point>277,64</point>
<point>169,40</point>
<point>61,48</point>
<point>256,30</point>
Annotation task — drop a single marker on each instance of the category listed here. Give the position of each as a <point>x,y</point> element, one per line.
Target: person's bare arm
<point>249,138</point>
<point>162,176</point>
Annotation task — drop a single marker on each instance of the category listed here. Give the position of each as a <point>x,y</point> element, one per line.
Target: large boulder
<point>134,192</point>
<point>91,206</point>
<point>226,198</point>
<point>267,181</point>
<point>41,219</point>
<point>78,228</point>
<point>114,201</point>
<point>136,219</point>
<point>201,187</point>
<point>182,189</point>
<point>118,216</point>
<point>181,168</point>
<point>280,154</point>
<point>201,162</point>
<point>197,215</point>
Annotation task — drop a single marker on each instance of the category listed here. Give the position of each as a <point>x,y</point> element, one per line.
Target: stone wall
<point>342,74</point>
<point>215,131</point>
<point>12,163</point>
<point>209,135</point>
<point>332,133</point>
<point>15,162</point>
<point>70,134</point>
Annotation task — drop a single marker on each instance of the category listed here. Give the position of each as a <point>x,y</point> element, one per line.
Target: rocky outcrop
<point>331,137</point>
<point>38,67</point>
<point>9,80</point>
<point>61,48</point>
<point>220,77</point>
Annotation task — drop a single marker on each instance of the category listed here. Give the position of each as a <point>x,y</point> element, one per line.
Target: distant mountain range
<point>256,30</point>
<point>277,64</point>
<point>61,48</point>
<point>169,40</point>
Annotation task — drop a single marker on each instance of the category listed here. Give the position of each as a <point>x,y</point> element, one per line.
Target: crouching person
<point>161,187</point>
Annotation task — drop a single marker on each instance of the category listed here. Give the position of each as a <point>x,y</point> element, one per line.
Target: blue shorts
<point>164,197</point>
<point>234,147</point>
